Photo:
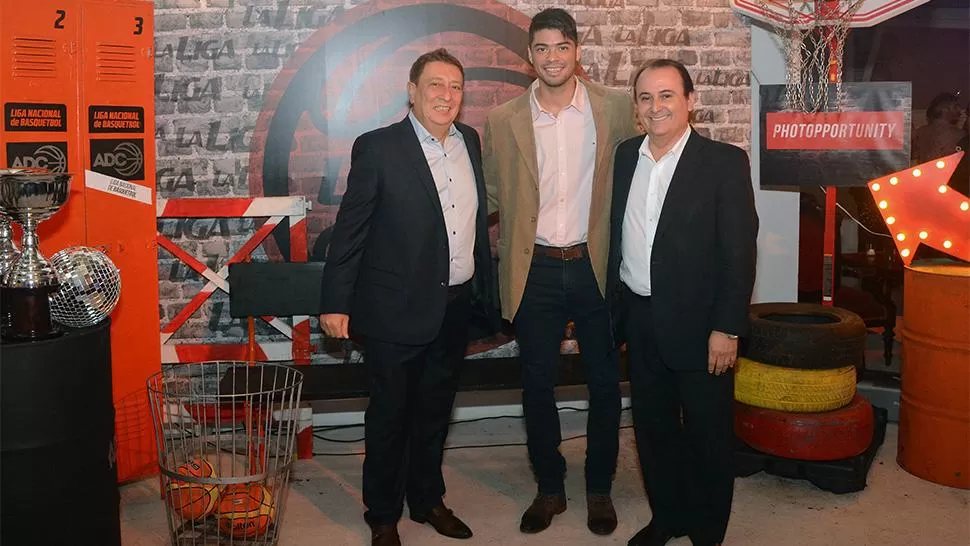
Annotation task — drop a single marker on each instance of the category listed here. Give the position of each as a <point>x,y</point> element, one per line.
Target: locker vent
<point>34,58</point>
<point>115,62</point>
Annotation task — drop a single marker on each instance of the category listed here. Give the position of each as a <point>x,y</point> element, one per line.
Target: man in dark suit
<point>681,273</point>
<point>408,269</point>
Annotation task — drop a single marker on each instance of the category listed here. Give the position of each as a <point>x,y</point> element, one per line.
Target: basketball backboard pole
<point>828,9</point>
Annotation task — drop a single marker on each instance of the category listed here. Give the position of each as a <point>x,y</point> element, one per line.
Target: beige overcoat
<point>512,184</point>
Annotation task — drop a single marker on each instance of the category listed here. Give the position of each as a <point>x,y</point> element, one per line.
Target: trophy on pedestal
<point>8,255</point>
<point>29,197</point>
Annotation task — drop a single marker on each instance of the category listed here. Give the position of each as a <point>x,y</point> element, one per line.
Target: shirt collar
<point>579,101</point>
<point>423,134</point>
<point>676,150</point>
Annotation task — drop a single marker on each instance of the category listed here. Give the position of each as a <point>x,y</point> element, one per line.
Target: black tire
<point>805,336</point>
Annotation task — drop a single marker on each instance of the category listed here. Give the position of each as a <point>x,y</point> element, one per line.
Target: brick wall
<point>222,67</point>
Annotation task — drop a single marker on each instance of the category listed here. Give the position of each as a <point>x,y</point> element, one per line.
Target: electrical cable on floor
<point>458,422</point>
<point>447,448</point>
<point>325,428</point>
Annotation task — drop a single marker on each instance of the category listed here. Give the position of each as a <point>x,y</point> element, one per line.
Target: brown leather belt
<point>564,253</point>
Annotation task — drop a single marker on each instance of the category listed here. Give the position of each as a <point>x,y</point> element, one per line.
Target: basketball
<point>192,500</point>
<point>245,510</point>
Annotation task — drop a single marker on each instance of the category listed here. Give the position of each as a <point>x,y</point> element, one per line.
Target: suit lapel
<point>623,183</point>
<point>679,192</point>
<point>525,138</point>
<point>474,154</point>
<point>598,106</point>
<point>415,155</point>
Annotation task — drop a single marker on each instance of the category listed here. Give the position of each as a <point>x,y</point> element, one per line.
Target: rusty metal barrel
<point>934,413</point>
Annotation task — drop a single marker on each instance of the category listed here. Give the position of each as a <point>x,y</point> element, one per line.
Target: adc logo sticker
<point>51,156</point>
<point>124,159</point>
<point>351,77</point>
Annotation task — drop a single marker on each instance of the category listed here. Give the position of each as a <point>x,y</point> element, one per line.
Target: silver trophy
<point>29,197</point>
<point>8,255</point>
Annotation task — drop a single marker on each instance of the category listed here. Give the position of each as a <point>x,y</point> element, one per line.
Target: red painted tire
<point>825,436</point>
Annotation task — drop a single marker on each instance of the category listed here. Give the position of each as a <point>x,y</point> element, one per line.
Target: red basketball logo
<point>350,77</point>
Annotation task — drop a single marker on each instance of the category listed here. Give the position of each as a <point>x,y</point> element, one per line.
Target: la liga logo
<point>351,77</point>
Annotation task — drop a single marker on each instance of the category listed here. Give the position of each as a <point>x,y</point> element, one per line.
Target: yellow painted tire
<point>790,389</point>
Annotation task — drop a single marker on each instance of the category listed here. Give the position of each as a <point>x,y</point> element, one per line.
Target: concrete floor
<point>489,488</point>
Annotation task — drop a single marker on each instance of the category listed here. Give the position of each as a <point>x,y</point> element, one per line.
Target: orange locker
<point>77,82</point>
<point>41,103</point>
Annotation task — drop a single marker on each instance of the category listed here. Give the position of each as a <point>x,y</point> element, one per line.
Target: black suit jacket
<point>702,266</point>
<point>387,265</point>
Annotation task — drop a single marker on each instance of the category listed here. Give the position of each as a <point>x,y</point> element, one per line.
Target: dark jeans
<point>412,390</point>
<point>556,292</point>
<point>683,422</point>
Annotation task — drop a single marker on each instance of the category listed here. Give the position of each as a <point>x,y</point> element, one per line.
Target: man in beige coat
<point>548,160</point>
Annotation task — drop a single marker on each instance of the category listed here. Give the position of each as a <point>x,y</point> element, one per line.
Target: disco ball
<point>90,287</point>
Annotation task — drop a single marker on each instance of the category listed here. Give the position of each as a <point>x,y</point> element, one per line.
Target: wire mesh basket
<point>225,433</point>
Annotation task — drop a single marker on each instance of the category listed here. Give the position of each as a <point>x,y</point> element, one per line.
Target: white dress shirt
<point>454,179</point>
<point>566,155</point>
<point>648,190</point>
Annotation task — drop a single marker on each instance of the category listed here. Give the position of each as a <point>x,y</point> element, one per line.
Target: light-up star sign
<point>920,208</point>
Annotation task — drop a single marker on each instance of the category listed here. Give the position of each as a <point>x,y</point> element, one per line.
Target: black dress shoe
<point>445,522</point>
<point>539,514</point>
<point>653,535</point>
<point>601,516</point>
<point>384,535</point>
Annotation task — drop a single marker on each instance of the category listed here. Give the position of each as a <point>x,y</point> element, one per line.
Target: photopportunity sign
<point>868,138</point>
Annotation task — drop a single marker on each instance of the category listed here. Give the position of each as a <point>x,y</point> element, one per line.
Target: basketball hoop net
<point>813,43</point>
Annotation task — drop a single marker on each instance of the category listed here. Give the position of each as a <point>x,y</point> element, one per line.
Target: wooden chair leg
<point>889,334</point>
<point>888,337</point>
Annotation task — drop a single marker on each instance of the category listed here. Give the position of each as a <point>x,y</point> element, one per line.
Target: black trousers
<point>555,292</point>
<point>412,390</point>
<point>683,423</point>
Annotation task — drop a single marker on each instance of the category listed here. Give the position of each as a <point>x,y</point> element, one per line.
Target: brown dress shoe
<point>601,516</point>
<point>445,522</point>
<point>539,514</point>
<point>384,535</point>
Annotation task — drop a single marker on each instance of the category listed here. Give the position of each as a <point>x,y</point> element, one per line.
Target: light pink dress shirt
<point>566,154</point>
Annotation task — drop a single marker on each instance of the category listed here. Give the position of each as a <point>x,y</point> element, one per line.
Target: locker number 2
<point>59,22</point>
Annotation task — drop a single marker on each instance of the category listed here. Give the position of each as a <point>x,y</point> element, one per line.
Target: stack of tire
<point>795,384</point>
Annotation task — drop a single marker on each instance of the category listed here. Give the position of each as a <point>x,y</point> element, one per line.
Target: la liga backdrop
<point>265,98</point>
<point>350,77</point>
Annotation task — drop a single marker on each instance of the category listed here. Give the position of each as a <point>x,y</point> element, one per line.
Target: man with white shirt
<point>409,267</point>
<point>681,272</point>
<point>548,169</point>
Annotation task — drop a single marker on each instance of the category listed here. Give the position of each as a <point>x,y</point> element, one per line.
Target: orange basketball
<point>245,510</point>
<point>193,500</point>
